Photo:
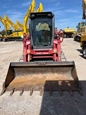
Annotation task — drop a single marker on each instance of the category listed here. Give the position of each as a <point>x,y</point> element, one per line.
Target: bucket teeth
<point>3,91</point>
<point>21,92</point>
<point>11,93</point>
<point>50,90</point>
<point>31,91</point>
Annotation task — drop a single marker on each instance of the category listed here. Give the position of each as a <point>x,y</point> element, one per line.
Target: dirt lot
<point>45,104</point>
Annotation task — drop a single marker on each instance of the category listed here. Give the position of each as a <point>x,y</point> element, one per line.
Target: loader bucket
<point>42,76</point>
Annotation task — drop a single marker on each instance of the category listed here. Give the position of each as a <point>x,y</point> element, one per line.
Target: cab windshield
<point>42,32</point>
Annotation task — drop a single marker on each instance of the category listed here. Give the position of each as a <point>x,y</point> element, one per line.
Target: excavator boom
<point>26,17</point>
<point>5,23</point>
<point>40,8</point>
<point>15,27</point>
<point>20,25</point>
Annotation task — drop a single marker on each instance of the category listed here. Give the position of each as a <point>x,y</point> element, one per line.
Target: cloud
<point>72,11</point>
<point>26,3</point>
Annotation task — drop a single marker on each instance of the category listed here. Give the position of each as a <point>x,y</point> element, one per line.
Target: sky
<point>67,12</point>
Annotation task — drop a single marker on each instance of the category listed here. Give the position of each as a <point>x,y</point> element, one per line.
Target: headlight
<point>54,51</point>
<point>28,51</point>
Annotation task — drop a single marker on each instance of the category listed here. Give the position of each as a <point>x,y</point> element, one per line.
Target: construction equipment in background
<point>83,45</point>
<point>81,28</point>
<point>16,32</point>
<point>13,25</point>
<point>24,27</point>
<point>6,27</point>
<point>9,33</point>
<point>31,9</point>
<point>1,35</point>
<point>20,26</point>
<point>26,17</point>
<point>69,32</point>
<point>40,8</point>
<point>84,9</point>
<point>42,67</point>
<point>5,23</point>
<point>83,37</point>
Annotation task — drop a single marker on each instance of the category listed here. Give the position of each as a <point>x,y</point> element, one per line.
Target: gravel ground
<point>45,104</point>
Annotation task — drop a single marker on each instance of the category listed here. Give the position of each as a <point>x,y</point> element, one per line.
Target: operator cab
<point>8,32</point>
<point>42,29</point>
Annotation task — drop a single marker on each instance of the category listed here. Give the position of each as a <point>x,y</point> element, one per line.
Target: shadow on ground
<point>63,103</point>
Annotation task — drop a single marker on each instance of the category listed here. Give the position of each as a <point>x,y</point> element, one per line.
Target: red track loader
<point>42,67</point>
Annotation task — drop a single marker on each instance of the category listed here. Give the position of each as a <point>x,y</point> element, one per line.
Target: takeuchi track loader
<point>42,68</point>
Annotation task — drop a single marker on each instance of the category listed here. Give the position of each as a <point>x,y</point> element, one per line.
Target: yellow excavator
<point>11,33</point>
<point>20,29</point>
<point>26,17</point>
<point>6,27</point>
<point>24,27</point>
<point>15,33</point>
<point>5,23</point>
<point>40,8</point>
<point>14,26</point>
<point>20,26</point>
<point>83,36</point>
<point>81,27</point>
<point>69,32</point>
